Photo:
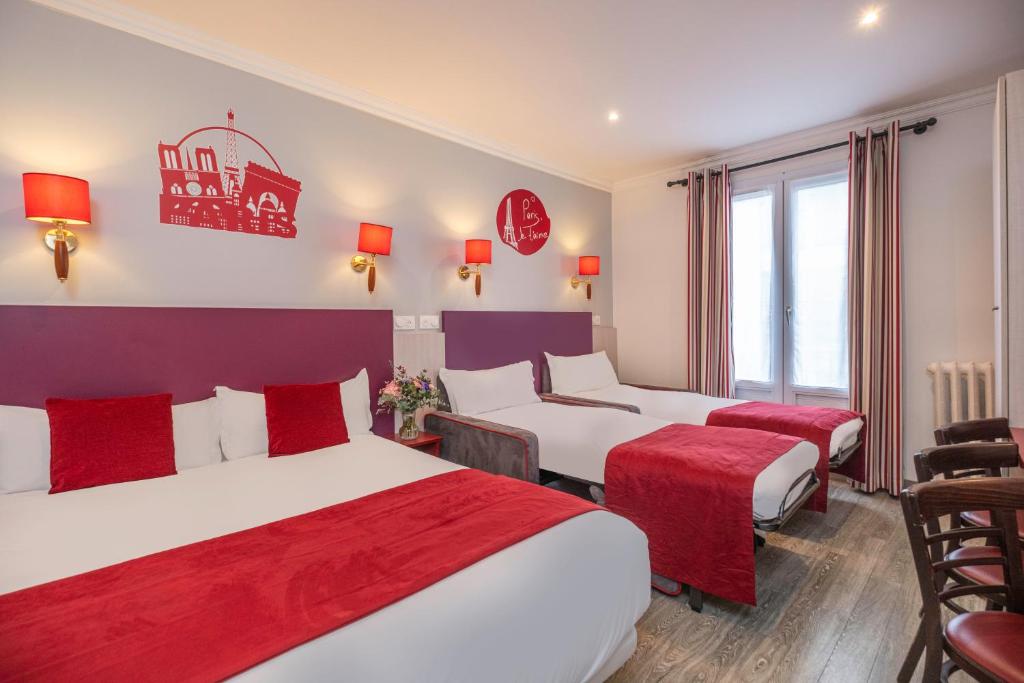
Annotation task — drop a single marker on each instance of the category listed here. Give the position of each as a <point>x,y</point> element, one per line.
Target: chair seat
<point>992,641</point>
<point>984,574</point>
<point>982,518</point>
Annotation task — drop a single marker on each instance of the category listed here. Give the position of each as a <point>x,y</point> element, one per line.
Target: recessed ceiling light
<point>870,17</point>
<point>613,116</point>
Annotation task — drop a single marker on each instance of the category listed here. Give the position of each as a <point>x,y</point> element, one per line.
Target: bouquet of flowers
<point>407,394</point>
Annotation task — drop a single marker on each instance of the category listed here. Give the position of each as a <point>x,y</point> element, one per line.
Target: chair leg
<point>948,669</point>
<point>932,655</point>
<point>913,656</point>
<point>696,600</point>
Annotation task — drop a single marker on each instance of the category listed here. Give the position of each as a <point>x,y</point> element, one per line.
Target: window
<point>752,256</point>
<point>789,252</point>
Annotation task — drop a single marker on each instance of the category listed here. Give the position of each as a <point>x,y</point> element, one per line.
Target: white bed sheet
<point>693,408</point>
<point>574,441</point>
<point>559,606</point>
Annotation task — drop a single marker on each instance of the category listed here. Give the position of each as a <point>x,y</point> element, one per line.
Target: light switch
<point>405,322</point>
<point>596,320</point>
<point>429,322</point>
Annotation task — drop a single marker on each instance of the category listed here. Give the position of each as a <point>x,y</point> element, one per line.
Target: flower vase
<point>408,431</point>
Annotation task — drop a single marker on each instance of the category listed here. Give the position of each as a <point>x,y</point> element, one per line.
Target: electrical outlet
<point>405,322</point>
<point>430,322</point>
<point>595,320</point>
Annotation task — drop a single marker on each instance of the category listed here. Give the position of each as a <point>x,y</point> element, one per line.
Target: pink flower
<point>391,389</point>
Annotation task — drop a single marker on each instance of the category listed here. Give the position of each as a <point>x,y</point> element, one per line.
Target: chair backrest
<point>963,460</point>
<point>923,505</point>
<point>987,429</point>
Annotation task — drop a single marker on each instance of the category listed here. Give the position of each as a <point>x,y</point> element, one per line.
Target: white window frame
<point>781,389</point>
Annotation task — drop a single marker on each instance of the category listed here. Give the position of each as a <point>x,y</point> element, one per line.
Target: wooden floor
<point>837,601</point>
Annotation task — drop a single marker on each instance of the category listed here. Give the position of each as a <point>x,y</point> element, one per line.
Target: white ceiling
<point>689,77</point>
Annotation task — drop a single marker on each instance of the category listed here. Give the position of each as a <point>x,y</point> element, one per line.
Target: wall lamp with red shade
<point>477,252</point>
<point>62,201</point>
<point>588,266</point>
<point>374,240</point>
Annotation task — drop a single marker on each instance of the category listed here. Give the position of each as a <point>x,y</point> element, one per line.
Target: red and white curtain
<point>709,361</point>
<point>875,303</point>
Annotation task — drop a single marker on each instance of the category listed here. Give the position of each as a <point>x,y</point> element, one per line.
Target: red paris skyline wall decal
<point>522,222</point>
<point>258,199</point>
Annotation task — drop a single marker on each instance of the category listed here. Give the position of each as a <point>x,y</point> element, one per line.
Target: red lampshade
<point>50,197</point>
<point>478,251</point>
<point>374,239</point>
<point>590,265</point>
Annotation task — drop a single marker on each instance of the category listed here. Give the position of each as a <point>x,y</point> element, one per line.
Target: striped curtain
<point>709,361</point>
<point>875,308</point>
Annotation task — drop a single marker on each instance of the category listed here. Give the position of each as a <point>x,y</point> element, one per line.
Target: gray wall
<point>84,100</point>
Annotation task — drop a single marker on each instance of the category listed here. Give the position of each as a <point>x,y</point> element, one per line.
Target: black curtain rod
<point>919,128</point>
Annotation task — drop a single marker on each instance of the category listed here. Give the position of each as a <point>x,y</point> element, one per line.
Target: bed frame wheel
<point>696,600</point>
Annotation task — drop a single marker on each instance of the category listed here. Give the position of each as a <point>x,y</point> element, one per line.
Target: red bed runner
<point>690,488</point>
<point>811,423</point>
<point>212,609</point>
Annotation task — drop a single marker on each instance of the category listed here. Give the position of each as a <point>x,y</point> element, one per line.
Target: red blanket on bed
<point>212,609</point>
<point>812,423</point>
<point>690,488</point>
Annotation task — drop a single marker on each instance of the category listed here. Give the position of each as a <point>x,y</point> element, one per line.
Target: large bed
<point>559,605</point>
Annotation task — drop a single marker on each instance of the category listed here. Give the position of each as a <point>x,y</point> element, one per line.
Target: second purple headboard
<point>476,340</point>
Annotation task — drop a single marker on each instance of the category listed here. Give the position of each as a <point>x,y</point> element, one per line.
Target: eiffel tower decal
<point>509,237</point>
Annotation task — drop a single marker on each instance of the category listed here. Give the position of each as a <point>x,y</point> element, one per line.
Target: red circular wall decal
<point>523,224</point>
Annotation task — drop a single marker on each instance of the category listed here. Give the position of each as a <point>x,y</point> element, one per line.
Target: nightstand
<point>426,442</point>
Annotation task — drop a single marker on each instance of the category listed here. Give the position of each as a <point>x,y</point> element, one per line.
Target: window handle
<point>789,315</point>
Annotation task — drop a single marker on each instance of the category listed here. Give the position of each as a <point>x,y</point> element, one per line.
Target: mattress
<point>575,441</point>
<point>693,408</point>
<point>559,606</point>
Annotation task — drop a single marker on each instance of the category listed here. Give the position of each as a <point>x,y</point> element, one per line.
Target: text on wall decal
<point>257,199</point>
<point>522,222</point>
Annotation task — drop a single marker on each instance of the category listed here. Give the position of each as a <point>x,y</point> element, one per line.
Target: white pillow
<point>243,416</point>
<point>572,374</point>
<point>196,434</point>
<point>355,404</point>
<point>24,449</point>
<point>472,392</point>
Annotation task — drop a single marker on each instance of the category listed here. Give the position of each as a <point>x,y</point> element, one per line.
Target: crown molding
<point>178,37</point>
<point>819,135</point>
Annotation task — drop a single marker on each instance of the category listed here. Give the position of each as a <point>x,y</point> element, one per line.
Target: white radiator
<point>962,391</point>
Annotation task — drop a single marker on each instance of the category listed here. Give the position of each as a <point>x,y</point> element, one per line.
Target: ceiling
<point>689,78</point>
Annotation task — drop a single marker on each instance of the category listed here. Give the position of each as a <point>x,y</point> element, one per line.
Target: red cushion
<point>992,641</point>
<point>109,440</point>
<point>984,574</point>
<point>982,518</point>
<point>304,417</point>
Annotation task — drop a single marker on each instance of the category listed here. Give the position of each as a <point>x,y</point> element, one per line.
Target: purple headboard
<point>96,351</point>
<point>475,340</point>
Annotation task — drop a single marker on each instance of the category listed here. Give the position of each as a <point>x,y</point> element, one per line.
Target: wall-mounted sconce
<point>374,240</point>
<point>477,252</point>
<point>62,201</point>
<point>589,266</point>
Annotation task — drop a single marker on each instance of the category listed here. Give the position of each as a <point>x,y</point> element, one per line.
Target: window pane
<point>819,246</point>
<point>752,258</point>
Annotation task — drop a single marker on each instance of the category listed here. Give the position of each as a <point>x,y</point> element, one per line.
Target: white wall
<point>85,100</point>
<point>947,230</point>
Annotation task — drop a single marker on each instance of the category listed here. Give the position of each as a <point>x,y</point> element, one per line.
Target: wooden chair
<point>968,459</point>
<point>988,645</point>
<point>988,429</point>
